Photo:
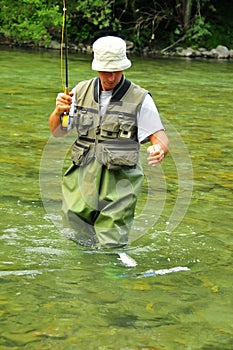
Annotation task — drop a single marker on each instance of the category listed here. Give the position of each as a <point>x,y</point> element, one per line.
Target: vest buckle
<point>125,134</point>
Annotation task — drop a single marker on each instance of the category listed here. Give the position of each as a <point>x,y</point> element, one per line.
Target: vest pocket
<point>78,152</point>
<point>110,127</point>
<point>84,123</point>
<point>128,128</point>
<point>116,155</point>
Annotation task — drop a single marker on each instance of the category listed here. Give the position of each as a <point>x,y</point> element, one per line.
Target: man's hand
<point>158,149</point>
<point>156,154</point>
<point>63,103</point>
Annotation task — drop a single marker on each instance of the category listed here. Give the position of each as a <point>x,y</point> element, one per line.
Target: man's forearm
<point>55,124</point>
<point>160,138</point>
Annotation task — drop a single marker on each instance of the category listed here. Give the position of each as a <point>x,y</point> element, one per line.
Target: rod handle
<point>65,117</point>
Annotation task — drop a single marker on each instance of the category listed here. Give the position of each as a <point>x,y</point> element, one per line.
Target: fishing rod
<point>66,49</point>
<point>64,45</point>
<point>64,40</point>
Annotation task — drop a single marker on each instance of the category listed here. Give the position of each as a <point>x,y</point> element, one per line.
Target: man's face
<point>109,80</point>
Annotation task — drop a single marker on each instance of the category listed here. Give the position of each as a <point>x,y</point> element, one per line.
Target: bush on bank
<point>158,26</point>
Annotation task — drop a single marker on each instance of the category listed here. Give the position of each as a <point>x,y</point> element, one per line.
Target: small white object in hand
<point>154,149</point>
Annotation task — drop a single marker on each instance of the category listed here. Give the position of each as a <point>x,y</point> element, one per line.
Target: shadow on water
<point>56,295</point>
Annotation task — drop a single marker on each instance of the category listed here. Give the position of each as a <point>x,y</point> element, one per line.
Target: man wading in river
<point>112,116</point>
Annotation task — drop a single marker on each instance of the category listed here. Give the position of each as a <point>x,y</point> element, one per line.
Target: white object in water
<point>127,260</point>
<point>151,272</point>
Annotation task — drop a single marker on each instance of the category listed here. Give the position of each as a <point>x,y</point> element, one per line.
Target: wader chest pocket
<point>78,151</point>
<point>118,154</point>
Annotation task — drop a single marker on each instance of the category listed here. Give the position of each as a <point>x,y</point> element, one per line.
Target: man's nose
<point>111,76</point>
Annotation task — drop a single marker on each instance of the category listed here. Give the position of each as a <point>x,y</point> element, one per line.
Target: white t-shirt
<point>148,119</point>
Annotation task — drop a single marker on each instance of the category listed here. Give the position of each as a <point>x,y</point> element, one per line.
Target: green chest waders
<point>99,204</point>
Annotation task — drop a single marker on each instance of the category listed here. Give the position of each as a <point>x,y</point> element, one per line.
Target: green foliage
<point>97,13</point>
<point>221,25</point>
<point>29,21</point>
<point>198,33</point>
<point>93,18</point>
<point>144,22</point>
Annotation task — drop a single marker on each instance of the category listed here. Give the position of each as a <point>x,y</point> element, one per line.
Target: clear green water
<point>55,295</point>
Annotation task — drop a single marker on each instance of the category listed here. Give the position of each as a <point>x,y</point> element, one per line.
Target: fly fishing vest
<point>110,138</point>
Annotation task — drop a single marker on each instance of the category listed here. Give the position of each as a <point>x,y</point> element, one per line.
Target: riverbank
<point>220,52</point>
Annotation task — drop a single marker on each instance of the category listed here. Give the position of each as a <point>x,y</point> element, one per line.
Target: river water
<point>57,295</point>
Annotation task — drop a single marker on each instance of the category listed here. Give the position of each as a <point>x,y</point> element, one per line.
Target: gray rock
<point>54,45</point>
<point>189,52</point>
<point>207,54</point>
<point>221,51</point>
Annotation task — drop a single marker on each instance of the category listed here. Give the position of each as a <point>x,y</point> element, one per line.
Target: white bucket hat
<point>110,55</point>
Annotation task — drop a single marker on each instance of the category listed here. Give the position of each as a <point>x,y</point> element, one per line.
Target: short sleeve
<point>148,119</point>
